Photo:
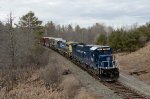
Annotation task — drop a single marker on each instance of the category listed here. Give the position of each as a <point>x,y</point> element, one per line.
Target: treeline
<point>76,33</point>
<point>19,41</point>
<point>126,40</point>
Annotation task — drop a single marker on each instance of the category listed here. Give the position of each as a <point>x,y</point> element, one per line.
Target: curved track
<point>123,91</point>
<point>117,87</point>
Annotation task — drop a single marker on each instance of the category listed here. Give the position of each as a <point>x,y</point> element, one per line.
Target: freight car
<point>95,57</point>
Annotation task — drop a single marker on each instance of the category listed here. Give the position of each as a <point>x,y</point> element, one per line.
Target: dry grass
<point>54,81</point>
<point>52,74</point>
<point>70,86</point>
<point>34,88</point>
<point>10,78</point>
<point>73,89</point>
<point>85,94</point>
<point>137,63</point>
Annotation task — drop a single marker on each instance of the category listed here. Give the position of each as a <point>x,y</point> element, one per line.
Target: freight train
<point>98,58</point>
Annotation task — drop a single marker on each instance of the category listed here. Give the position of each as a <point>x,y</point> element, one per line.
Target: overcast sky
<point>82,12</point>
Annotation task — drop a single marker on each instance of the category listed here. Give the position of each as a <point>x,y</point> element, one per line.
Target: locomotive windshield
<point>106,52</point>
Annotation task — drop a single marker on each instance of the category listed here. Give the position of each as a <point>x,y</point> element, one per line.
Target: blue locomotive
<point>95,57</point>
<point>99,58</point>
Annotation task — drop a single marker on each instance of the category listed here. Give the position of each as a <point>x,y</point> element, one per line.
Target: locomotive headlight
<point>108,58</point>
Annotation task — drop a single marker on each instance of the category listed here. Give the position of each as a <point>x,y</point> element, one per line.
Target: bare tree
<point>12,40</point>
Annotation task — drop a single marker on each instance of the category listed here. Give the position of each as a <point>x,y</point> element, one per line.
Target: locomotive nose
<point>106,61</point>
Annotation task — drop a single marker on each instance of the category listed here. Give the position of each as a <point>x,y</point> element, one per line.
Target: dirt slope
<point>136,63</point>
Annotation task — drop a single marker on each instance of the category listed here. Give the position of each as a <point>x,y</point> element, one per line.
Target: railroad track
<point>117,87</point>
<point>123,91</point>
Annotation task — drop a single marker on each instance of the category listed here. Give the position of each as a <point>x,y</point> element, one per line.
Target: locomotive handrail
<point>117,64</point>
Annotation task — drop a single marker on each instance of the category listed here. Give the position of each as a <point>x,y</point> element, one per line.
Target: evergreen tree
<point>102,39</point>
<point>31,22</point>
